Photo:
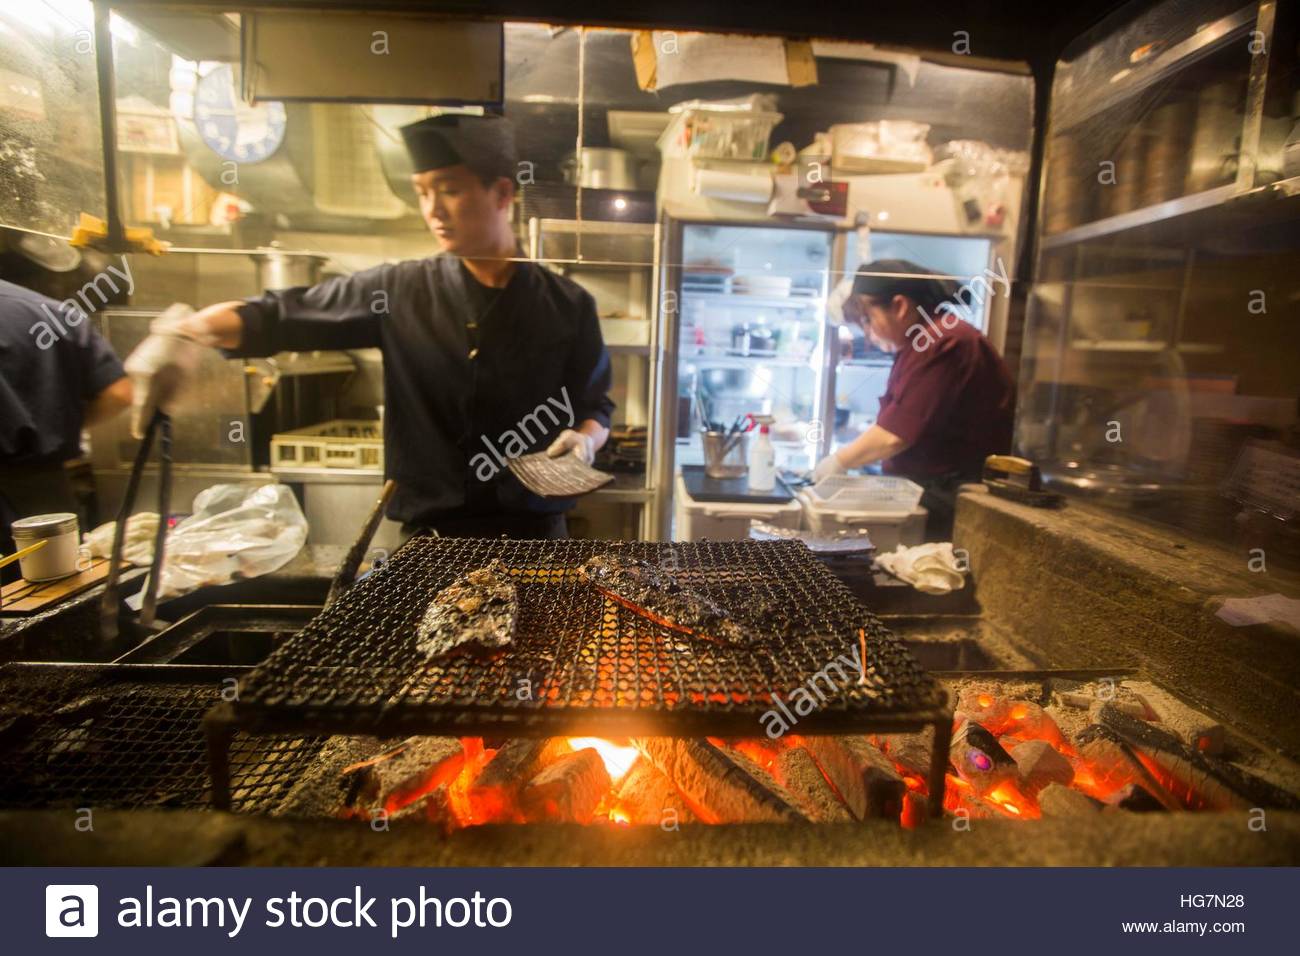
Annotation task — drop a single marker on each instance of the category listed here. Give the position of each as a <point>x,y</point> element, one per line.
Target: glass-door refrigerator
<point>745,307</point>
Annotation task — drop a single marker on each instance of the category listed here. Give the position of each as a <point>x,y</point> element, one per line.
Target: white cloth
<point>575,443</point>
<point>137,543</point>
<point>929,567</point>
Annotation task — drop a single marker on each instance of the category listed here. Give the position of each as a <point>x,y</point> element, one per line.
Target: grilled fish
<point>657,596</point>
<point>476,613</point>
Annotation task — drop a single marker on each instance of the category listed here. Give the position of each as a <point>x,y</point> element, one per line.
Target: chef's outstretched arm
<point>873,445</point>
<point>340,313</point>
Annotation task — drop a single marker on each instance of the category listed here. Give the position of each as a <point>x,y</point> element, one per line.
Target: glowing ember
<point>618,760</point>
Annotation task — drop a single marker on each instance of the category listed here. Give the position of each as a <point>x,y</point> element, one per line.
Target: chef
<point>485,357</point>
<point>949,400</point>
<point>57,375</point>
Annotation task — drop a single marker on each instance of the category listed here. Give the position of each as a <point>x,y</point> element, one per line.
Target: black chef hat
<point>485,144</point>
<point>886,278</point>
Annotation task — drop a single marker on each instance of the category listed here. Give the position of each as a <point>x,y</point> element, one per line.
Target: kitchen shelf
<point>586,265</point>
<point>1146,216</point>
<point>626,488</point>
<point>598,227</point>
<point>1129,83</point>
<point>744,361</point>
<point>1254,206</point>
<point>756,301</point>
<point>1141,345</point>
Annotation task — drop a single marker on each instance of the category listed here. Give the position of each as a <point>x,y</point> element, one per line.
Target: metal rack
<point>649,494</point>
<point>130,736</point>
<point>580,663</point>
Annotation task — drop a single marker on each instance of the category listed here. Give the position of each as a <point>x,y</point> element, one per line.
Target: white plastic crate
<point>725,521</point>
<point>342,443</point>
<point>888,508</point>
<point>867,493</point>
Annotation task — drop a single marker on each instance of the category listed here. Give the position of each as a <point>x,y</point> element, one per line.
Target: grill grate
<point>580,662</point>
<point>129,737</point>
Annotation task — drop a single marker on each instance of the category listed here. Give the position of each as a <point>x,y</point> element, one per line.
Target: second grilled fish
<point>656,595</point>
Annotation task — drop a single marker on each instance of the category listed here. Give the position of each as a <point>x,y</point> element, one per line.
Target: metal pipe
<point>150,606</point>
<point>108,123</point>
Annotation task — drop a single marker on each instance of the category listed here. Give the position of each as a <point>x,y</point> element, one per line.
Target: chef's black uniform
<point>465,366</point>
<point>52,362</point>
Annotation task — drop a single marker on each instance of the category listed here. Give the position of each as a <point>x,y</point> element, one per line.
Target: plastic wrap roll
<point>737,187</point>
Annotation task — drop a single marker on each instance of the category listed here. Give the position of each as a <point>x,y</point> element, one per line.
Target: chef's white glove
<point>573,443</point>
<point>828,467</point>
<point>160,366</point>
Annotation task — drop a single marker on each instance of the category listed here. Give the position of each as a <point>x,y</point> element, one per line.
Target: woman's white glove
<point>161,365</point>
<point>573,443</point>
<point>828,467</point>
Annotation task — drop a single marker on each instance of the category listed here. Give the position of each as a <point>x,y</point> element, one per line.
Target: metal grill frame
<point>142,728</point>
<point>369,680</point>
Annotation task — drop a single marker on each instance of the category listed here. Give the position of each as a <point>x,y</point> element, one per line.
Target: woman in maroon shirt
<point>949,401</point>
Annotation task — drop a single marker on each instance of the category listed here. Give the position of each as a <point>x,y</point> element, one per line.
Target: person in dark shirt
<point>57,375</point>
<point>485,357</point>
<point>950,400</point>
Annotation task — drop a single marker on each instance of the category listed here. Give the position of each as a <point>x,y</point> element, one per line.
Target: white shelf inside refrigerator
<point>756,301</point>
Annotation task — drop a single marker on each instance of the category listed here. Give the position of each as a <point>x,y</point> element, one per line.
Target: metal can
<point>58,559</point>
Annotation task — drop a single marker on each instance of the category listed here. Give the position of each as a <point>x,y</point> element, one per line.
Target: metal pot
<point>601,168</point>
<point>277,269</point>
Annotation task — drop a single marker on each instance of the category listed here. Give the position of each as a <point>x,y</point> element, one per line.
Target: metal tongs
<point>110,607</point>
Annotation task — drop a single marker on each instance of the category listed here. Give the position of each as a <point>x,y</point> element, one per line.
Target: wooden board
<point>24,597</point>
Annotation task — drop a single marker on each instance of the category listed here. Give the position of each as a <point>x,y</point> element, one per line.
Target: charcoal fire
<point>476,613</point>
<point>656,595</point>
<point>1048,761</point>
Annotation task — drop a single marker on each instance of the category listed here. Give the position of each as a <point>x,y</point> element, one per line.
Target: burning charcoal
<point>1134,798</point>
<point>988,710</point>
<point>646,796</point>
<point>979,759</point>
<point>717,788</point>
<point>1019,718</point>
<point>911,752</point>
<point>1191,726</point>
<point>323,789</point>
<point>1056,800</point>
<point>1106,765</point>
<point>432,807</point>
<point>656,595</point>
<point>1193,778</point>
<point>1040,764</point>
<point>403,774</point>
<point>915,810</point>
<point>475,613</point>
<point>494,793</point>
<point>864,778</point>
<point>796,770</point>
<point>567,791</point>
<point>760,762</point>
<point>970,804</point>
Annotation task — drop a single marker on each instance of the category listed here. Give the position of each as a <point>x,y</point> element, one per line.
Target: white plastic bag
<point>235,532</point>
